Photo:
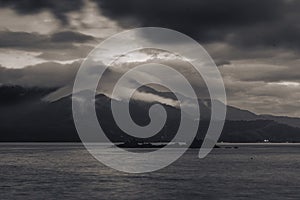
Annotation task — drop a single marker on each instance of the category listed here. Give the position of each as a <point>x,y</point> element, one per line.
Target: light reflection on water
<point>70,172</point>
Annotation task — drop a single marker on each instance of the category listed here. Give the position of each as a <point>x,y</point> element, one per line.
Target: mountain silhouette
<point>26,117</point>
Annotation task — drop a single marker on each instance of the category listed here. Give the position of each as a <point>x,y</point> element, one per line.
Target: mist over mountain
<point>26,117</point>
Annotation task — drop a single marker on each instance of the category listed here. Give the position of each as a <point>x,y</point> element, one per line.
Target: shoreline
<point>80,144</point>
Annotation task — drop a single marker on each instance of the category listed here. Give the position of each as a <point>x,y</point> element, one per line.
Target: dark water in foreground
<point>69,172</point>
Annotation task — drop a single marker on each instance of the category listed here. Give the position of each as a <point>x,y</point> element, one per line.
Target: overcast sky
<point>255,43</point>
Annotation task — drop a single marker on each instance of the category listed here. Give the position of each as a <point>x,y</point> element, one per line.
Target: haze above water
<point>70,172</point>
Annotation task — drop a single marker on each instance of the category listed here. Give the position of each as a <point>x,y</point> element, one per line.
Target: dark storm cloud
<point>70,36</point>
<point>58,8</point>
<point>9,39</point>
<point>283,34</point>
<point>193,15</point>
<point>247,23</point>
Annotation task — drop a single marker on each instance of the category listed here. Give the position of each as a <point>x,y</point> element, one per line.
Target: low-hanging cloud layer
<point>255,43</point>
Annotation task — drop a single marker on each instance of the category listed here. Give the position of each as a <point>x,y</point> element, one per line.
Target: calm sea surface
<point>35,171</point>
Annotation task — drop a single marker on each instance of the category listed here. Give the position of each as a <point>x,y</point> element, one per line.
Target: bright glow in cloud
<point>286,83</point>
<point>19,59</point>
<point>42,22</point>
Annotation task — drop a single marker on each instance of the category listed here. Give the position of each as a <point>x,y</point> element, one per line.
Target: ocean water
<point>60,171</point>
